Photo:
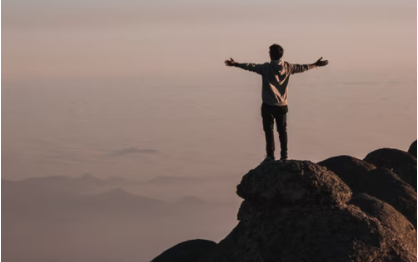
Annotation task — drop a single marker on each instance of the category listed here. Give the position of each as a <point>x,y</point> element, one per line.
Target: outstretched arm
<point>296,68</point>
<point>247,66</point>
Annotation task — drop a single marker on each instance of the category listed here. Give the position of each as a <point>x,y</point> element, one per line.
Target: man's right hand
<point>230,62</point>
<point>321,62</point>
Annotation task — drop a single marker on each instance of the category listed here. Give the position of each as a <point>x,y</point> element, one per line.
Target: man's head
<point>276,52</point>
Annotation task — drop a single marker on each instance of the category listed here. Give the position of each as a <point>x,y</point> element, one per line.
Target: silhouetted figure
<point>275,75</point>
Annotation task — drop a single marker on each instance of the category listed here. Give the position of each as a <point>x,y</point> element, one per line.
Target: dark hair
<point>276,52</point>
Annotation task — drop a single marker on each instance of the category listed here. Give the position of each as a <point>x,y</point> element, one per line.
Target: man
<point>275,77</point>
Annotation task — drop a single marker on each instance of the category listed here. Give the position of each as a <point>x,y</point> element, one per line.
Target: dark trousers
<point>269,114</point>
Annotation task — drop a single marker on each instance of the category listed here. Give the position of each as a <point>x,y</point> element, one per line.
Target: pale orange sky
<point>85,78</point>
<point>49,39</point>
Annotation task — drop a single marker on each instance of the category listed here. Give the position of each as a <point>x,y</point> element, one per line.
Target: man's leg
<point>268,123</point>
<point>281,117</point>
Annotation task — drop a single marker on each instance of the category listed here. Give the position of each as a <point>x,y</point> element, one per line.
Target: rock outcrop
<point>342,209</point>
<point>363,177</point>
<point>187,251</point>
<point>413,149</point>
<point>398,161</point>
<point>385,213</point>
<point>299,211</point>
<point>293,183</point>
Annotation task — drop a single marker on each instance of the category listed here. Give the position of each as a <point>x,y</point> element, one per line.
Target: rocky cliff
<point>342,209</point>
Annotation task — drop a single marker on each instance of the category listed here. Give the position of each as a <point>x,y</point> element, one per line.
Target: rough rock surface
<point>363,177</point>
<point>188,251</point>
<point>387,215</point>
<point>294,183</point>
<point>350,169</point>
<point>398,161</point>
<point>297,211</point>
<point>413,149</point>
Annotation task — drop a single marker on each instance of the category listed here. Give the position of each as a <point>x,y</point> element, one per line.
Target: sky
<point>49,40</point>
<point>82,79</point>
<point>137,91</point>
<point>85,78</point>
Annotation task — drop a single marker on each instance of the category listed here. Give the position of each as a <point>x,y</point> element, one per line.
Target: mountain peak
<point>191,200</point>
<point>118,192</point>
<point>300,211</point>
<point>293,183</point>
<point>87,176</point>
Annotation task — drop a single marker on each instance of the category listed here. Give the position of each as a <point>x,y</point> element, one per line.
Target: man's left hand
<point>321,62</point>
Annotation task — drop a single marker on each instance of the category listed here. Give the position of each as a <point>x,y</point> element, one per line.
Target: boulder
<point>188,251</point>
<point>413,149</point>
<point>400,162</point>
<point>293,183</point>
<point>350,169</point>
<point>387,215</point>
<point>381,183</point>
<point>387,186</point>
<point>297,211</point>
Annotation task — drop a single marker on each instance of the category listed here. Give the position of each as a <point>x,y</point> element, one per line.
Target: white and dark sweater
<point>275,76</point>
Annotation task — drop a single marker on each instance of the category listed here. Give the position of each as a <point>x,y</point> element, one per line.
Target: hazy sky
<point>49,39</point>
<point>84,79</point>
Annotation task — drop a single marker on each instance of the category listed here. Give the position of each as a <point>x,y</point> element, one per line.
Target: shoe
<point>283,159</point>
<point>268,159</point>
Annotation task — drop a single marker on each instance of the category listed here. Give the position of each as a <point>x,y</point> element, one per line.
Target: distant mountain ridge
<point>172,179</point>
<point>82,189</point>
<point>36,210</point>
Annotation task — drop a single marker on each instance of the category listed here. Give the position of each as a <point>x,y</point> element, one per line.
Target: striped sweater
<point>275,77</point>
